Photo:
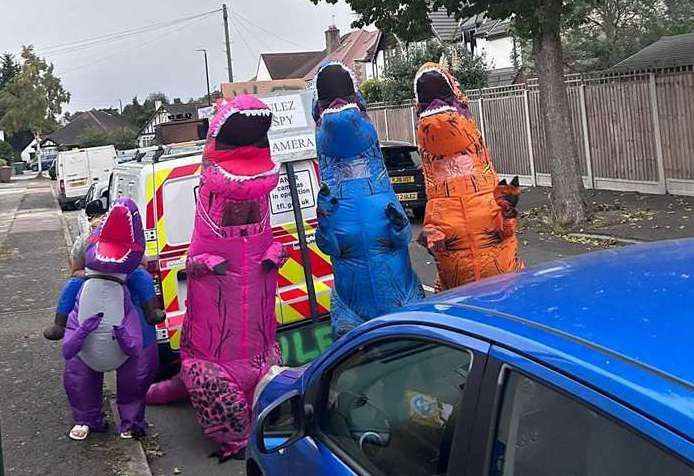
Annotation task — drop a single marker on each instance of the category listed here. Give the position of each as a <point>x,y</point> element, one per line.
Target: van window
<point>179,208</point>
<point>401,157</point>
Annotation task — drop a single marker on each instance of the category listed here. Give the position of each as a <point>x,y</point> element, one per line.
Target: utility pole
<point>121,106</point>
<point>207,76</point>
<point>226,38</point>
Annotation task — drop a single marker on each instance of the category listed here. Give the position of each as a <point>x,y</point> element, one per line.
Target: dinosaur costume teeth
<point>228,339</point>
<point>470,220</point>
<point>361,224</point>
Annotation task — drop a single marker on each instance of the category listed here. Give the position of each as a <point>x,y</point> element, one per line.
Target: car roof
<point>396,143</point>
<point>619,319</point>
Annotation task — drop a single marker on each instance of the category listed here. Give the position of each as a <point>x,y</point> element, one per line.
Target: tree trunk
<point>567,185</point>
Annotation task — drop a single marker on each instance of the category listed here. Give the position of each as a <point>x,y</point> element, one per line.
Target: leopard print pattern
<point>261,362</point>
<point>220,405</point>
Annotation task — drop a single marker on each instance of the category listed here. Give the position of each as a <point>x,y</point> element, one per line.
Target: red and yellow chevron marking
<point>155,205</point>
<point>292,303</point>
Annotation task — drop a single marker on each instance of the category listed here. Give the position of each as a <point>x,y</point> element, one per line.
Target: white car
<point>97,191</point>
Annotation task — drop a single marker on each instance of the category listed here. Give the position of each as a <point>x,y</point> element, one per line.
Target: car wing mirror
<point>94,208</point>
<point>282,423</point>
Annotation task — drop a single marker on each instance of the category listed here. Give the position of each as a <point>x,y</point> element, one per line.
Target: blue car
<point>577,367</point>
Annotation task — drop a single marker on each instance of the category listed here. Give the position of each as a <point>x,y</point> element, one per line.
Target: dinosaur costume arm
<point>206,263</point>
<point>326,239</point>
<point>507,196</point>
<point>400,232</point>
<point>76,334</point>
<point>129,342</point>
<point>275,256</point>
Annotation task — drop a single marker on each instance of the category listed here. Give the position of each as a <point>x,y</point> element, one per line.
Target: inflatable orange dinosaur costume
<point>471,219</point>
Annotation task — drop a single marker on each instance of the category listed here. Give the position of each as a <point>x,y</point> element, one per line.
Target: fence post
<point>531,155</point>
<point>414,125</point>
<point>656,131</point>
<point>484,134</point>
<point>586,137</point>
<point>385,120</point>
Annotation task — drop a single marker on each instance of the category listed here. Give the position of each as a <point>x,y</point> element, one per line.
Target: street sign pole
<point>301,232</point>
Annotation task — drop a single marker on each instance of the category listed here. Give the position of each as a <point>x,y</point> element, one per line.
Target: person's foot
<point>79,432</point>
<point>223,456</point>
<point>54,332</point>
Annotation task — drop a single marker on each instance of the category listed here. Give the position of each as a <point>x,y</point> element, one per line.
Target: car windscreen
<point>401,157</point>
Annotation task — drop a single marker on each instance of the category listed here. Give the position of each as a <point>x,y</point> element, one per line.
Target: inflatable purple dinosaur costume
<point>103,331</point>
<point>228,340</point>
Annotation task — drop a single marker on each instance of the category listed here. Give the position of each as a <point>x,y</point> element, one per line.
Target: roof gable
<point>667,52</point>
<point>94,119</point>
<point>290,65</point>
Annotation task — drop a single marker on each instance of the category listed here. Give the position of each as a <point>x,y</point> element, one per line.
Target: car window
<point>400,157</point>
<point>543,432</point>
<point>392,405</point>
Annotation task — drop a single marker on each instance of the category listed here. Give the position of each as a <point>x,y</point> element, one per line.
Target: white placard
<point>281,198</point>
<point>206,112</point>
<point>287,112</point>
<point>292,144</point>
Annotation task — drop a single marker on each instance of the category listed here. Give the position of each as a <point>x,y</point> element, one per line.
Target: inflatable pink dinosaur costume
<point>228,341</point>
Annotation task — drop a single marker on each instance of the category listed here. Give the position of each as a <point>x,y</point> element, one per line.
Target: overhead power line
<point>74,46</point>
<point>269,32</point>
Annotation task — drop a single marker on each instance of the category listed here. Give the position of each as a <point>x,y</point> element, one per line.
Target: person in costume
<point>361,223</point>
<point>228,338</point>
<point>104,330</point>
<point>471,218</point>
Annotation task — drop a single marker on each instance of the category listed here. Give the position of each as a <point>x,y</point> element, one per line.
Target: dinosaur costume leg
<point>133,379</point>
<point>84,388</point>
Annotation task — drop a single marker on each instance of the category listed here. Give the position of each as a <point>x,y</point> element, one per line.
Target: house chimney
<point>332,38</point>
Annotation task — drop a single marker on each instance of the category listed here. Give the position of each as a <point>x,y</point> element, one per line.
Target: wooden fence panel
<point>675,94</point>
<point>576,127</point>
<point>507,138</point>
<point>400,124</point>
<point>537,133</point>
<point>378,117</point>
<point>620,126</point>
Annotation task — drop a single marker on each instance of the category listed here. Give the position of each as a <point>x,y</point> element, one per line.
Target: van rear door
<point>74,171</point>
<point>101,162</point>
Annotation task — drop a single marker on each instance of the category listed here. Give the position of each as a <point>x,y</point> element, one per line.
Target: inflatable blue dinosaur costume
<point>361,224</point>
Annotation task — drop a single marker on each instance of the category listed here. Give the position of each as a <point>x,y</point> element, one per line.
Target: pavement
<point>176,444</point>
<point>34,414</point>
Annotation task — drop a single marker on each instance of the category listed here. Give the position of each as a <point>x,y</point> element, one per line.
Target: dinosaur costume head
<point>344,129</point>
<point>445,125</point>
<point>118,244</point>
<point>238,171</point>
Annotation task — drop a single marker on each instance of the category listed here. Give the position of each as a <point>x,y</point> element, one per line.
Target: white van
<point>78,169</point>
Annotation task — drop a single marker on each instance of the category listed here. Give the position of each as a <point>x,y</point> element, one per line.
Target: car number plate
<point>78,183</point>
<point>406,197</point>
<point>404,179</point>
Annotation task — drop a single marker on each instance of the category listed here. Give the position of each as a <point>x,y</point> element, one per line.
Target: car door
<point>390,402</point>
<point>533,420</point>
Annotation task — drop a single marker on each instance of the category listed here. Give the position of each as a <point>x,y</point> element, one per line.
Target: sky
<point>161,58</point>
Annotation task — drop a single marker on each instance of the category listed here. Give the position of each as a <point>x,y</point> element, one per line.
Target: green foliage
<point>612,30</point>
<point>399,74</point>
<point>120,138</point>
<point>9,69</point>
<point>372,90</point>
<point>3,162</point>
<point>33,98</point>
<point>139,114</point>
<point>7,153</point>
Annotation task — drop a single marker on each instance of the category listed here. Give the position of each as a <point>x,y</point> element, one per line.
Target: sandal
<point>79,432</point>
